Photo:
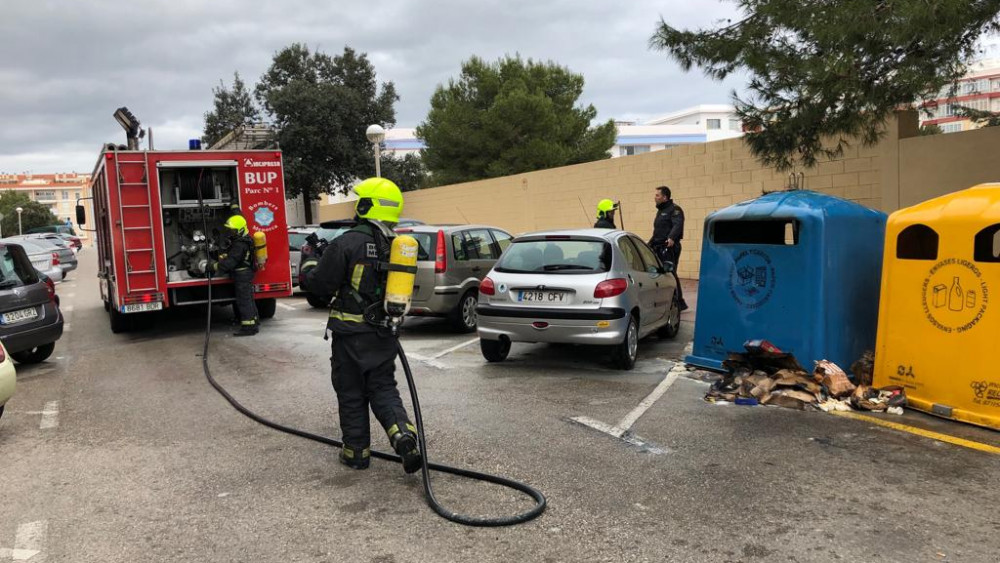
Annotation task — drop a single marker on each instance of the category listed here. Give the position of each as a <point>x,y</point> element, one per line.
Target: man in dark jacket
<point>352,272</point>
<point>606,214</point>
<point>237,261</point>
<point>668,230</point>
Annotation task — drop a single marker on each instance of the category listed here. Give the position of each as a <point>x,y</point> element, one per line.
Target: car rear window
<point>330,234</point>
<point>427,243</point>
<point>15,268</point>
<point>556,256</point>
<point>296,240</point>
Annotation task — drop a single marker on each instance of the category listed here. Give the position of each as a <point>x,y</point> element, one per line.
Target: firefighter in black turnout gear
<point>606,214</point>
<point>353,271</point>
<point>237,260</point>
<point>668,230</point>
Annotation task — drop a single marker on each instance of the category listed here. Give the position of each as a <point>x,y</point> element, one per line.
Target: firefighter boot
<point>355,457</point>
<point>247,329</point>
<point>405,443</point>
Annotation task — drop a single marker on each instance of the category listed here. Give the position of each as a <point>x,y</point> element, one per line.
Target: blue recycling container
<point>799,269</point>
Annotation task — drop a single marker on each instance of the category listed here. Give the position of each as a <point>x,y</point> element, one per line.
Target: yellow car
<point>8,377</point>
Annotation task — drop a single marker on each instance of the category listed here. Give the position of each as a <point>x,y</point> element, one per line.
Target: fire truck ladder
<point>130,188</point>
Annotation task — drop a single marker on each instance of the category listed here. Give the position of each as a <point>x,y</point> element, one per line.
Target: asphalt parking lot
<point>118,450</point>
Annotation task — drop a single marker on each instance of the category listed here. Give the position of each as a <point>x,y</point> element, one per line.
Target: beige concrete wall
<point>901,170</point>
<point>935,165</point>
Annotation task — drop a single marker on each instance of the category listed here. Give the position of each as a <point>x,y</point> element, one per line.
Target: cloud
<point>76,61</point>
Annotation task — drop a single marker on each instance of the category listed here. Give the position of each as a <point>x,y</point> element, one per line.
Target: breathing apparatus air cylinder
<point>402,274</point>
<point>260,248</point>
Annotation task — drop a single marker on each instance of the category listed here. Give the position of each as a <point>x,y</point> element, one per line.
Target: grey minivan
<point>452,260</point>
<point>30,321</point>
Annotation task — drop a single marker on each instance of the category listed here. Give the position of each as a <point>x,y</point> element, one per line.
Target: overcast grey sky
<point>67,64</point>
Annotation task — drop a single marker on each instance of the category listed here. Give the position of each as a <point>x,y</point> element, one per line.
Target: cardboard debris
<point>833,378</point>
<point>766,375</point>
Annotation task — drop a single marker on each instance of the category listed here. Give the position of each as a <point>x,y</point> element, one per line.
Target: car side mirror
<point>81,215</point>
<point>668,267</point>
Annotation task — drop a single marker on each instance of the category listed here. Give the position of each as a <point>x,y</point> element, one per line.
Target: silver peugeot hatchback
<point>586,286</point>
<point>450,264</point>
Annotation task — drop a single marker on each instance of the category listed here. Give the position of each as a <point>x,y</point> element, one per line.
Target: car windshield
<point>15,269</point>
<point>556,256</point>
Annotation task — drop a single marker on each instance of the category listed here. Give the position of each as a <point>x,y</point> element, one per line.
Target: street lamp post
<point>19,210</point>
<point>376,134</point>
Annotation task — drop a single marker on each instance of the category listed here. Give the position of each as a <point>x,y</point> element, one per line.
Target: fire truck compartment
<point>194,197</point>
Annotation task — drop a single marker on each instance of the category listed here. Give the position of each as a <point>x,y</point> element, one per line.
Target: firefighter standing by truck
<point>239,262</point>
<point>353,272</point>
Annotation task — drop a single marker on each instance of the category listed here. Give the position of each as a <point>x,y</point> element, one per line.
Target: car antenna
<point>621,216</point>
<point>463,215</point>
<point>583,207</point>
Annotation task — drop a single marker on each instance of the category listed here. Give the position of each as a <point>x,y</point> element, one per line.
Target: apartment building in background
<point>58,192</point>
<point>979,89</point>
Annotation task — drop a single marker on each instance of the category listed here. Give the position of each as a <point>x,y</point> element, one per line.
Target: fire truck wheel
<point>266,307</point>
<point>119,322</point>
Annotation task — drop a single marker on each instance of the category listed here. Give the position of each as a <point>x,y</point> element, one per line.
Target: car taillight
<point>486,287</point>
<point>610,288</point>
<point>55,259</point>
<point>51,287</point>
<point>440,261</point>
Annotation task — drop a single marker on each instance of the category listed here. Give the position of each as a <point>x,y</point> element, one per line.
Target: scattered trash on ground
<point>765,375</point>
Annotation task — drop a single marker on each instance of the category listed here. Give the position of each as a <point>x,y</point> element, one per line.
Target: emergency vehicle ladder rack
<point>123,187</point>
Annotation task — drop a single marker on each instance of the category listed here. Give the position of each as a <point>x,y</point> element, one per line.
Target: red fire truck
<point>151,210</point>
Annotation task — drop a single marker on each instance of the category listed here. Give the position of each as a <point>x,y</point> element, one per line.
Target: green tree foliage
<point>824,71</point>
<point>931,129</point>
<point>980,117</point>
<point>407,172</point>
<point>509,117</point>
<point>233,108</point>
<point>321,106</point>
<point>33,214</point>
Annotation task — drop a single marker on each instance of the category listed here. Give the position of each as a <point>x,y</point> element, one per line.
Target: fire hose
<point>537,496</point>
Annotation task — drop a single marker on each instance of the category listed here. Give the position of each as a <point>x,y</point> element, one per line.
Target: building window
<point>734,125</point>
<point>65,194</point>
<point>45,195</point>
<point>951,127</point>
<point>714,123</point>
<point>632,150</point>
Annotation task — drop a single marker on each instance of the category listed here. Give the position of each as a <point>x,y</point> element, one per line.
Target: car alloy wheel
<point>469,315</point>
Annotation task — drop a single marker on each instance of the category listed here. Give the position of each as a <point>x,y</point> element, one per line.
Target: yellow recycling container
<point>938,317</point>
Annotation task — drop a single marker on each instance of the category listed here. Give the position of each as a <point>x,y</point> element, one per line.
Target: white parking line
<point>429,361</point>
<point>67,327</point>
<point>286,307</point>
<point>621,430</point>
<point>50,416</point>
<point>30,541</point>
<point>627,422</point>
<point>70,295</point>
<point>453,348</point>
<point>66,308</point>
